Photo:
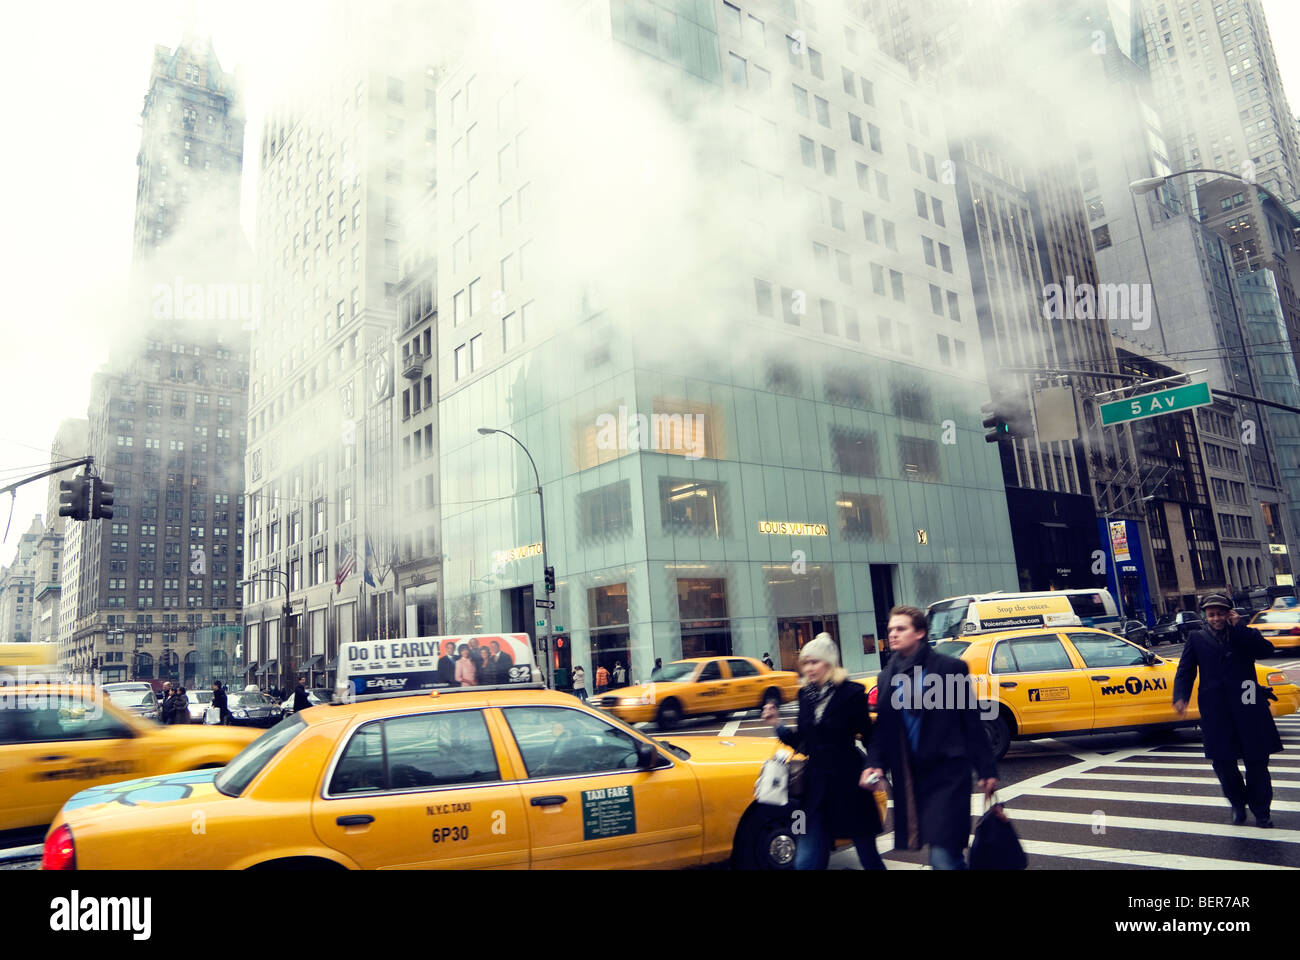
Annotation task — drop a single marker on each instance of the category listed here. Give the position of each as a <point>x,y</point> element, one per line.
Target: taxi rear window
<point>1278,616</point>
<point>951,648</point>
<point>235,776</point>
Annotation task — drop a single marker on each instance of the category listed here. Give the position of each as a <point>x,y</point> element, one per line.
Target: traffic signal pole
<point>83,462</point>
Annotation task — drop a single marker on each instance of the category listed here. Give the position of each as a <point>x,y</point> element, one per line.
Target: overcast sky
<point>76,74</point>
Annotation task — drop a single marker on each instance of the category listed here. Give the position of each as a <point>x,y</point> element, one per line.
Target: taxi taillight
<point>1294,631</point>
<point>871,697</point>
<point>59,852</point>
<point>1274,679</point>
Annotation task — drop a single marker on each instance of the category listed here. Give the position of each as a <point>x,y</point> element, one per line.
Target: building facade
<point>18,587</point>
<point>784,443</point>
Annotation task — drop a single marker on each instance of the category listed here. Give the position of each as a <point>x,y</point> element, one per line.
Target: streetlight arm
<point>536,476</point>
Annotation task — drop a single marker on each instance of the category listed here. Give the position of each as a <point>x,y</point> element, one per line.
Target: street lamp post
<point>287,609</point>
<point>546,568</point>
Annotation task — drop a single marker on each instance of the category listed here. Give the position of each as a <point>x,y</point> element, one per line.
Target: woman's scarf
<point>817,696</point>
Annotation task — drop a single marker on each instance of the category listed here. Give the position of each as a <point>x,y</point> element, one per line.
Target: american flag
<point>347,566</point>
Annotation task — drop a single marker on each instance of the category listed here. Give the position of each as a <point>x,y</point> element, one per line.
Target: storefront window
<point>702,607</point>
<point>607,618</point>
<point>693,507</point>
<point>855,452</point>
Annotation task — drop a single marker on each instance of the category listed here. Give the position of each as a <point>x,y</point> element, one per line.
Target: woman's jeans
<point>945,858</point>
<point>813,849</point>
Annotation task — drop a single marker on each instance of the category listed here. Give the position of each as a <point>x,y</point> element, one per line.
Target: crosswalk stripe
<point>1167,826</point>
<point>1158,779</point>
<point>1275,774</point>
<point>1189,799</point>
<point>1113,855</point>
<point>729,729</point>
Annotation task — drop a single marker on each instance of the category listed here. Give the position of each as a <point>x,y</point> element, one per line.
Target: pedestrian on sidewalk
<point>220,702</point>
<point>620,675</point>
<point>833,712</point>
<point>928,745</point>
<point>1235,720</point>
<point>602,680</point>
<point>180,707</point>
<point>580,683</point>
<point>300,699</point>
<point>767,659</point>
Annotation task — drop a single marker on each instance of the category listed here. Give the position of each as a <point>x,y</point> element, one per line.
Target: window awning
<point>314,663</point>
<point>266,668</point>
<point>332,665</point>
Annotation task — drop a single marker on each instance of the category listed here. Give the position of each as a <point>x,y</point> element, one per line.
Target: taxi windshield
<point>680,670</point>
<point>248,700</point>
<point>202,696</point>
<point>235,776</point>
<point>1278,616</point>
<point>946,618</point>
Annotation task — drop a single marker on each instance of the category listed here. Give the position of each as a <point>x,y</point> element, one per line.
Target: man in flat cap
<point>1235,720</point>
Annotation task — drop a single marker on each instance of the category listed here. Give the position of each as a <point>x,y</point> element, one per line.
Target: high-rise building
<point>1219,92</point>
<point>168,412</point>
<point>339,166</point>
<point>191,150</point>
<point>753,408</point>
<point>18,587</point>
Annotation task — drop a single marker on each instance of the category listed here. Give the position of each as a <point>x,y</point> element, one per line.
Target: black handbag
<point>795,787</point>
<point>995,845</point>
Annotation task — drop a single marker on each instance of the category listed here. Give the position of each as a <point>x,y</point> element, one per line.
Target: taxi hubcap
<point>781,849</point>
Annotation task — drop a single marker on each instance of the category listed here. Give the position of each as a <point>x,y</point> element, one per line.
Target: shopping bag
<point>212,715</point>
<point>773,784</point>
<point>995,845</point>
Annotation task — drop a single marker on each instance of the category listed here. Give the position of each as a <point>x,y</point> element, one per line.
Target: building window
<point>702,608</point>
<point>854,451</point>
<point>862,516</point>
<point>919,458</point>
<point>693,507</point>
<point>606,512</point>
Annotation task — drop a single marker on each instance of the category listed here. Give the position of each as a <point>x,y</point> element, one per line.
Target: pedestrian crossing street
<point>1144,807</point>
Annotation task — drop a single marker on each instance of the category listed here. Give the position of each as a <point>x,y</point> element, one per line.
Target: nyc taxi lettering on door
<point>448,834</point>
<point>1039,694</point>
<point>1135,686</point>
<point>610,812</point>
<point>88,771</point>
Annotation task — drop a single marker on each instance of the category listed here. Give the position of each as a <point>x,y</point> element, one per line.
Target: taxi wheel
<point>764,840</point>
<point>669,715</point>
<point>999,734</point>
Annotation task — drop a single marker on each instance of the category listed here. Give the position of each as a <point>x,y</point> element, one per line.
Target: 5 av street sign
<point>1154,404</point>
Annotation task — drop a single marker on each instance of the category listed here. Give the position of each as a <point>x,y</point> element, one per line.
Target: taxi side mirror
<point>646,755</point>
<point>1148,658</point>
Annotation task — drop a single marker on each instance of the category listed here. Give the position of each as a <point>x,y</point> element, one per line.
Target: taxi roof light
<point>59,852</point>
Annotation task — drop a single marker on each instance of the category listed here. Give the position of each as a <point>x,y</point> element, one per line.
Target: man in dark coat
<point>833,713</point>
<point>220,701</point>
<point>928,736</point>
<point>300,699</point>
<point>501,662</point>
<point>447,664</point>
<point>1235,720</point>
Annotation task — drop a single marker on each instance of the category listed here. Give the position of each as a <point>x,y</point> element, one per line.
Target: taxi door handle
<point>551,801</point>
<point>1008,684</point>
<point>53,757</point>
<point>355,820</point>
<point>1101,678</point>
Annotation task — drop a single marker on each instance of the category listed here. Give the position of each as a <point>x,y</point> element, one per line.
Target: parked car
<point>135,698</point>
<point>1174,627</point>
<point>252,709</point>
<point>199,700</point>
<point>1134,631</point>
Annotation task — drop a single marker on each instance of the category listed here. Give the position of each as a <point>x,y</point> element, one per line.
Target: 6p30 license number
<point>450,834</point>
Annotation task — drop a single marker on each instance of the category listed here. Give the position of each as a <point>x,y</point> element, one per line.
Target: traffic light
<point>74,498</point>
<point>101,500</point>
<point>550,579</point>
<point>998,429</point>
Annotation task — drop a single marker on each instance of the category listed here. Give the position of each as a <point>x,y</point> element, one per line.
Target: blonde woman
<point>833,712</point>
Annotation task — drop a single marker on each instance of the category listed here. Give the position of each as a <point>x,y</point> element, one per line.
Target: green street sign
<point>1154,404</point>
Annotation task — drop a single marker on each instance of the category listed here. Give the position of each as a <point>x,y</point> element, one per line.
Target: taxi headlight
<point>241,712</point>
<point>635,701</point>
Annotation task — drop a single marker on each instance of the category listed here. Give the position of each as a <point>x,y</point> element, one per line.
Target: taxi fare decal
<point>608,813</point>
<point>1135,686</point>
<point>94,770</point>
<point>1048,693</point>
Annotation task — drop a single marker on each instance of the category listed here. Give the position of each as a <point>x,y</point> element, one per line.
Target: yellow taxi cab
<point>1280,626</point>
<point>473,777</point>
<point>701,685</point>
<point>56,739</point>
<point>1060,681</point>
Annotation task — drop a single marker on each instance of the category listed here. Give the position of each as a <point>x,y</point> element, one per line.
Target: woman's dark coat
<point>1235,720</point>
<point>221,702</point>
<point>932,786</point>
<point>835,764</point>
